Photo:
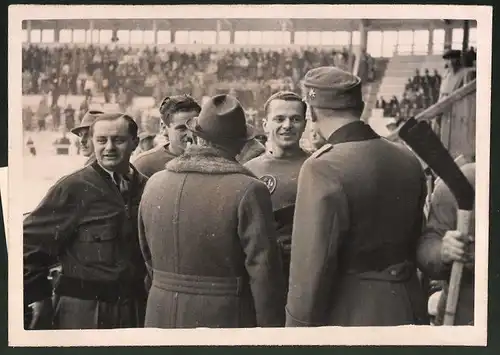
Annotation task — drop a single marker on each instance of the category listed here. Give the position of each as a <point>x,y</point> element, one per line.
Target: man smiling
<point>88,223</point>
<point>280,165</point>
<point>175,111</point>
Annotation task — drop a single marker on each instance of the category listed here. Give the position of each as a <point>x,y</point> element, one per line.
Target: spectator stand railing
<point>454,120</point>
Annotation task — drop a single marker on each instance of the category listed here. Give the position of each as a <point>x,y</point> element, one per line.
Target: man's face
<point>86,146</point>
<point>285,123</point>
<point>178,134</point>
<point>315,137</point>
<point>113,144</point>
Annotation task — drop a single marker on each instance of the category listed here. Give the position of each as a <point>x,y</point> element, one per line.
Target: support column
<point>91,28</point>
<point>217,32</point>
<point>349,43</point>
<point>172,36</point>
<point>56,32</point>
<point>448,36</point>
<point>155,32</point>
<point>292,36</point>
<point>363,36</point>
<point>465,41</point>
<point>283,29</point>
<point>430,44</point>
<point>28,31</point>
<point>231,36</point>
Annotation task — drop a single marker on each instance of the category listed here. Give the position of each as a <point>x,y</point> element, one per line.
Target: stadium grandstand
<point>71,65</point>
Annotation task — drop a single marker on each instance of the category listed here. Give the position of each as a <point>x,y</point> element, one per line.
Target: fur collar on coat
<point>206,160</point>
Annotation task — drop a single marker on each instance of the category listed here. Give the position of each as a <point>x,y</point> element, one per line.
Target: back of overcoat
<point>207,235</point>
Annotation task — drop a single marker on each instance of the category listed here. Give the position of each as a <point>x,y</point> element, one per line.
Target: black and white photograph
<point>248,175</point>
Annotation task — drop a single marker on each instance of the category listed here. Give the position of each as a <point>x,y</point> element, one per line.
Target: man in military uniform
<point>206,232</point>
<point>441,245</point>
<point>88,223</point>
<point>357,219</point>
<point>175,111</point>
<point>279,166</point>
<point>82,132</point>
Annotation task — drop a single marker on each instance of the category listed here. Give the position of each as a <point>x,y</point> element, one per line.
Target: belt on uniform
<point>107,291</point>
<point>200,285</point>
<point>398,272</point>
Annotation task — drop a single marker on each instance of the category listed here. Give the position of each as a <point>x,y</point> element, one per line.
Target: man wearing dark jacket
<point>174,111</point>
<point>207,235</point>
<point>88,223</point>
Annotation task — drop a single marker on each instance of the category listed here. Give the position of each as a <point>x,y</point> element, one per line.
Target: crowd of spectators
<point>421,91</point>
<point>119,74</point>
<point>76,70</point>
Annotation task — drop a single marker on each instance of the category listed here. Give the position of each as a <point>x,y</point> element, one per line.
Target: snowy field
<point>40,172</point>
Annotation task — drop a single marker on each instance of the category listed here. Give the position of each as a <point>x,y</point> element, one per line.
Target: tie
<point>121,182</point>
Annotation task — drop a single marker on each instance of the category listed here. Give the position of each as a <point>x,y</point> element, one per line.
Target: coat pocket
<point>97,244</point>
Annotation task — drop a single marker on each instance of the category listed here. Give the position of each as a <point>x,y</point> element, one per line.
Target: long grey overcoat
<point>207,236</point>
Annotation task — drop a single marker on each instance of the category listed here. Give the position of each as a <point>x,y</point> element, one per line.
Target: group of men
<point>214,230</point>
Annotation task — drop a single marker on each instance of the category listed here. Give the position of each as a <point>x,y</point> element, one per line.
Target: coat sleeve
<point>45,232</point>
<point>143,244</point>
<point>442,217</point>
<point>263,261</point>
<point>321,216</point>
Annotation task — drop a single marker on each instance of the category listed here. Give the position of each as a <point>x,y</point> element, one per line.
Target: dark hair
<point>177,103</point>
<point>285,96</point>
<point>132,125</point>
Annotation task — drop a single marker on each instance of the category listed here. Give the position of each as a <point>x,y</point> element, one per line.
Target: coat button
<point>394,272</point>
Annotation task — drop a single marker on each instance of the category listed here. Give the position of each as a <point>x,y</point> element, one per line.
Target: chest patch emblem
<point>270,182</point>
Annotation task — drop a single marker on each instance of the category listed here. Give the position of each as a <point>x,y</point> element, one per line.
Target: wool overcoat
<point>358,217</point>
<point>207,235</point>
<point>442,218</point>
<point>86,224</point>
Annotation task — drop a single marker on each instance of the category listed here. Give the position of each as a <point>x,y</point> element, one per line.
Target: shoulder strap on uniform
<point>327,147</point>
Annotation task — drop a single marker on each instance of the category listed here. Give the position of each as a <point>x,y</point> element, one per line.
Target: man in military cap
<point>88,223</point>
<point>82,132</point>
<point>357,220</point>
<point>207,235</point>
<point>174,111</point>
<point>279,166</point>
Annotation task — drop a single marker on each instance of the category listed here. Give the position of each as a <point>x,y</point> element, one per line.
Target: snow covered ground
<point>40,172</point>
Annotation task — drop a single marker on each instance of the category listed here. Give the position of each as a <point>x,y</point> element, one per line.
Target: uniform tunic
<point>281,177</point>
<point>357,221</point>
<point>206,233</point>
<point>154,160</point>
<point>442,218</point>
<point>90,228</point>
<point>252,149</point>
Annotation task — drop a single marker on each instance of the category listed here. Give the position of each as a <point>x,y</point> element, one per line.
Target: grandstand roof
<point>236,24</point>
